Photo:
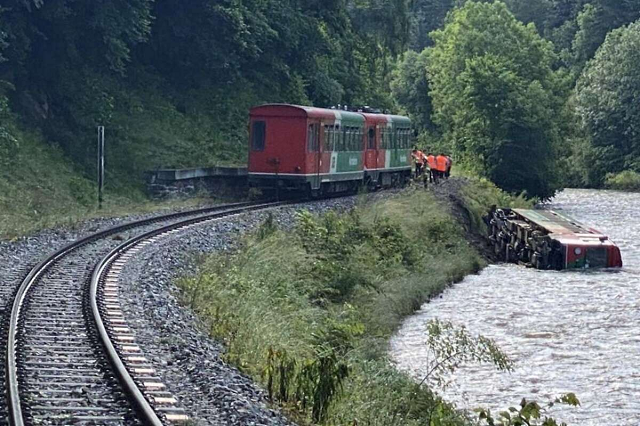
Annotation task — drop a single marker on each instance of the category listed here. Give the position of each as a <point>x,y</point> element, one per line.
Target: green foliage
<point>596,20</point>
<point>497,98</point>
<point>624,181</point>
<point>3,36</point>
<point>529,414</point>
<point>531,11</point>
<point>172,81</point>
<point>607,102</point>
<point>8,142</point>
<point>309,312</point>
<point>450,346</point>
<point>411,88</point>
<point>427,16</point>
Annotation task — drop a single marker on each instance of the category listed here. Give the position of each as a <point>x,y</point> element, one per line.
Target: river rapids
<point>569,331</point>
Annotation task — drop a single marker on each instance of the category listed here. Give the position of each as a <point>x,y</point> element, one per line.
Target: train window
<point>312,138</point>
<point>352,138</point>
<point>327,138</point>
<point>371,138</point>
<point>352,135</point>
<point>258,135</point>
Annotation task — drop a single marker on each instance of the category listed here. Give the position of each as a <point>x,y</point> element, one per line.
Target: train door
<point>371,153</point>
<point>314,155</point>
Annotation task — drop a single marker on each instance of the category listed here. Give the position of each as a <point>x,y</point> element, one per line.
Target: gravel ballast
<point>186,358</point>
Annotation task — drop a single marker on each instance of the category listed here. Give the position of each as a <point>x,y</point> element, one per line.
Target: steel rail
<point>142,406</point>
<point>12,385</point>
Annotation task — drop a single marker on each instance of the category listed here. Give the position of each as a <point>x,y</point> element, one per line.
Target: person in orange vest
<point>418,158</point>
<point>441,165</point>
<point>431,162</point>
<point>449,164</point>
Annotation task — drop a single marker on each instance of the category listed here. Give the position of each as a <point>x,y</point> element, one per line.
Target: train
<point>318,151</point>
<point>549,240</point>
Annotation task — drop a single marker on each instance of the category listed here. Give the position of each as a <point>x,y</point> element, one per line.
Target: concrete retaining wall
<point>173,183</point>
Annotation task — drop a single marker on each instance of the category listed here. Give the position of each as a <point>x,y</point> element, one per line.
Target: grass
<point>309,312</point>
<point>41,188</point>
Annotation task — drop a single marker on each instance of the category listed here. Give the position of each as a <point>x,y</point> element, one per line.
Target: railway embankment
<point>308,310</point>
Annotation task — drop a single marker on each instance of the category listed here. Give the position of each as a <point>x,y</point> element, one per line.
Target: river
<point>567,331</point>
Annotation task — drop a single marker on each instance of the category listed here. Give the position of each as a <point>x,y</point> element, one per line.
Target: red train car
<point>318,150</point>
<point>546,239</point>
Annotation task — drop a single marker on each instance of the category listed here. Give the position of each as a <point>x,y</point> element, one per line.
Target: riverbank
<point>570,331</point>
<point>308,312</point>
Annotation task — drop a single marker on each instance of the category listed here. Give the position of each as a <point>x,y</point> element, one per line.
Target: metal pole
<point>100,164</point>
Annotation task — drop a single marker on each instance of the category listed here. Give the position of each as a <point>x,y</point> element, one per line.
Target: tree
<point>427,16</point>
<point>497,98</point>
<point>608,103</point>
<point>410,88</point>
<point>596,19</point>
<point>3,37</point>
<point>536,11</point>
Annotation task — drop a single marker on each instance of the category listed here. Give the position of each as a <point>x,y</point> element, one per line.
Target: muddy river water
<point>567,331</point>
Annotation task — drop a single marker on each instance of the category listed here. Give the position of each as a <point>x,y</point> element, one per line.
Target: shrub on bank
<point>309,312</point>
<point>624,181</point>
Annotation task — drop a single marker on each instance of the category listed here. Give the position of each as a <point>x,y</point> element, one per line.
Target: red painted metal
<point>285,150</point>
<point>374,158</point>
<point>577,240</point>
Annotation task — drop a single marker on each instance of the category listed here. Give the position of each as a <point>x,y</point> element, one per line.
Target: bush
<point>628,180</point>
<point>309,312</point>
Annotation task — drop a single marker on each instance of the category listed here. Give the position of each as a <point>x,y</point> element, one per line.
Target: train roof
<point>387,118</point>
<point>555,222</point>
<point>564,229</point>
<point>288,110</point>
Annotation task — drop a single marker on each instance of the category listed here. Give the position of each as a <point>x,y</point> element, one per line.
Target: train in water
<point>321,151</point>
<point>546,239</point>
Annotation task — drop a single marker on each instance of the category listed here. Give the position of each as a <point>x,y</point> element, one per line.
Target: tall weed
<point>306,311</point>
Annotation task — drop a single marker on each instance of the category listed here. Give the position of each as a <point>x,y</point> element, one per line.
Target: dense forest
<point>533,94</point>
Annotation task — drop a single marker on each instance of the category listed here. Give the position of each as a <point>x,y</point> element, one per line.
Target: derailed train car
<point>322,151</point>
<point>545,239</point>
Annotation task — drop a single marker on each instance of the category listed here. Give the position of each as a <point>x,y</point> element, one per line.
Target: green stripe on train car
<point>400,158</point>
<point>349,161</point>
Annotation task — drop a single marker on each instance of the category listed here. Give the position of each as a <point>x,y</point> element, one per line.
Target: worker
<point>425,171</point>
<point>431,162</point>
<point>441,165</point>
<point>447,172</point>
<point>418,158</point>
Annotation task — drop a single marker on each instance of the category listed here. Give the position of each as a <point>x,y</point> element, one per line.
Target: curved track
<point>71,359</point>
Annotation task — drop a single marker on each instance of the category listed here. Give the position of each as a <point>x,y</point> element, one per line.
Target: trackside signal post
<point>100,164</point>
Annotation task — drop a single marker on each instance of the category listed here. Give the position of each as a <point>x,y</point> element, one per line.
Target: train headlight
<point>577,251</point>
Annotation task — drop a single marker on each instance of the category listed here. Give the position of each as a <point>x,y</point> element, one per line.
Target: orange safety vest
<point>418,157</point>
<point>431,160</point>
<point>441,163</point>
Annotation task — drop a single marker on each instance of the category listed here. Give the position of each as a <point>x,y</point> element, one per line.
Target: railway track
<point>70,356</point>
